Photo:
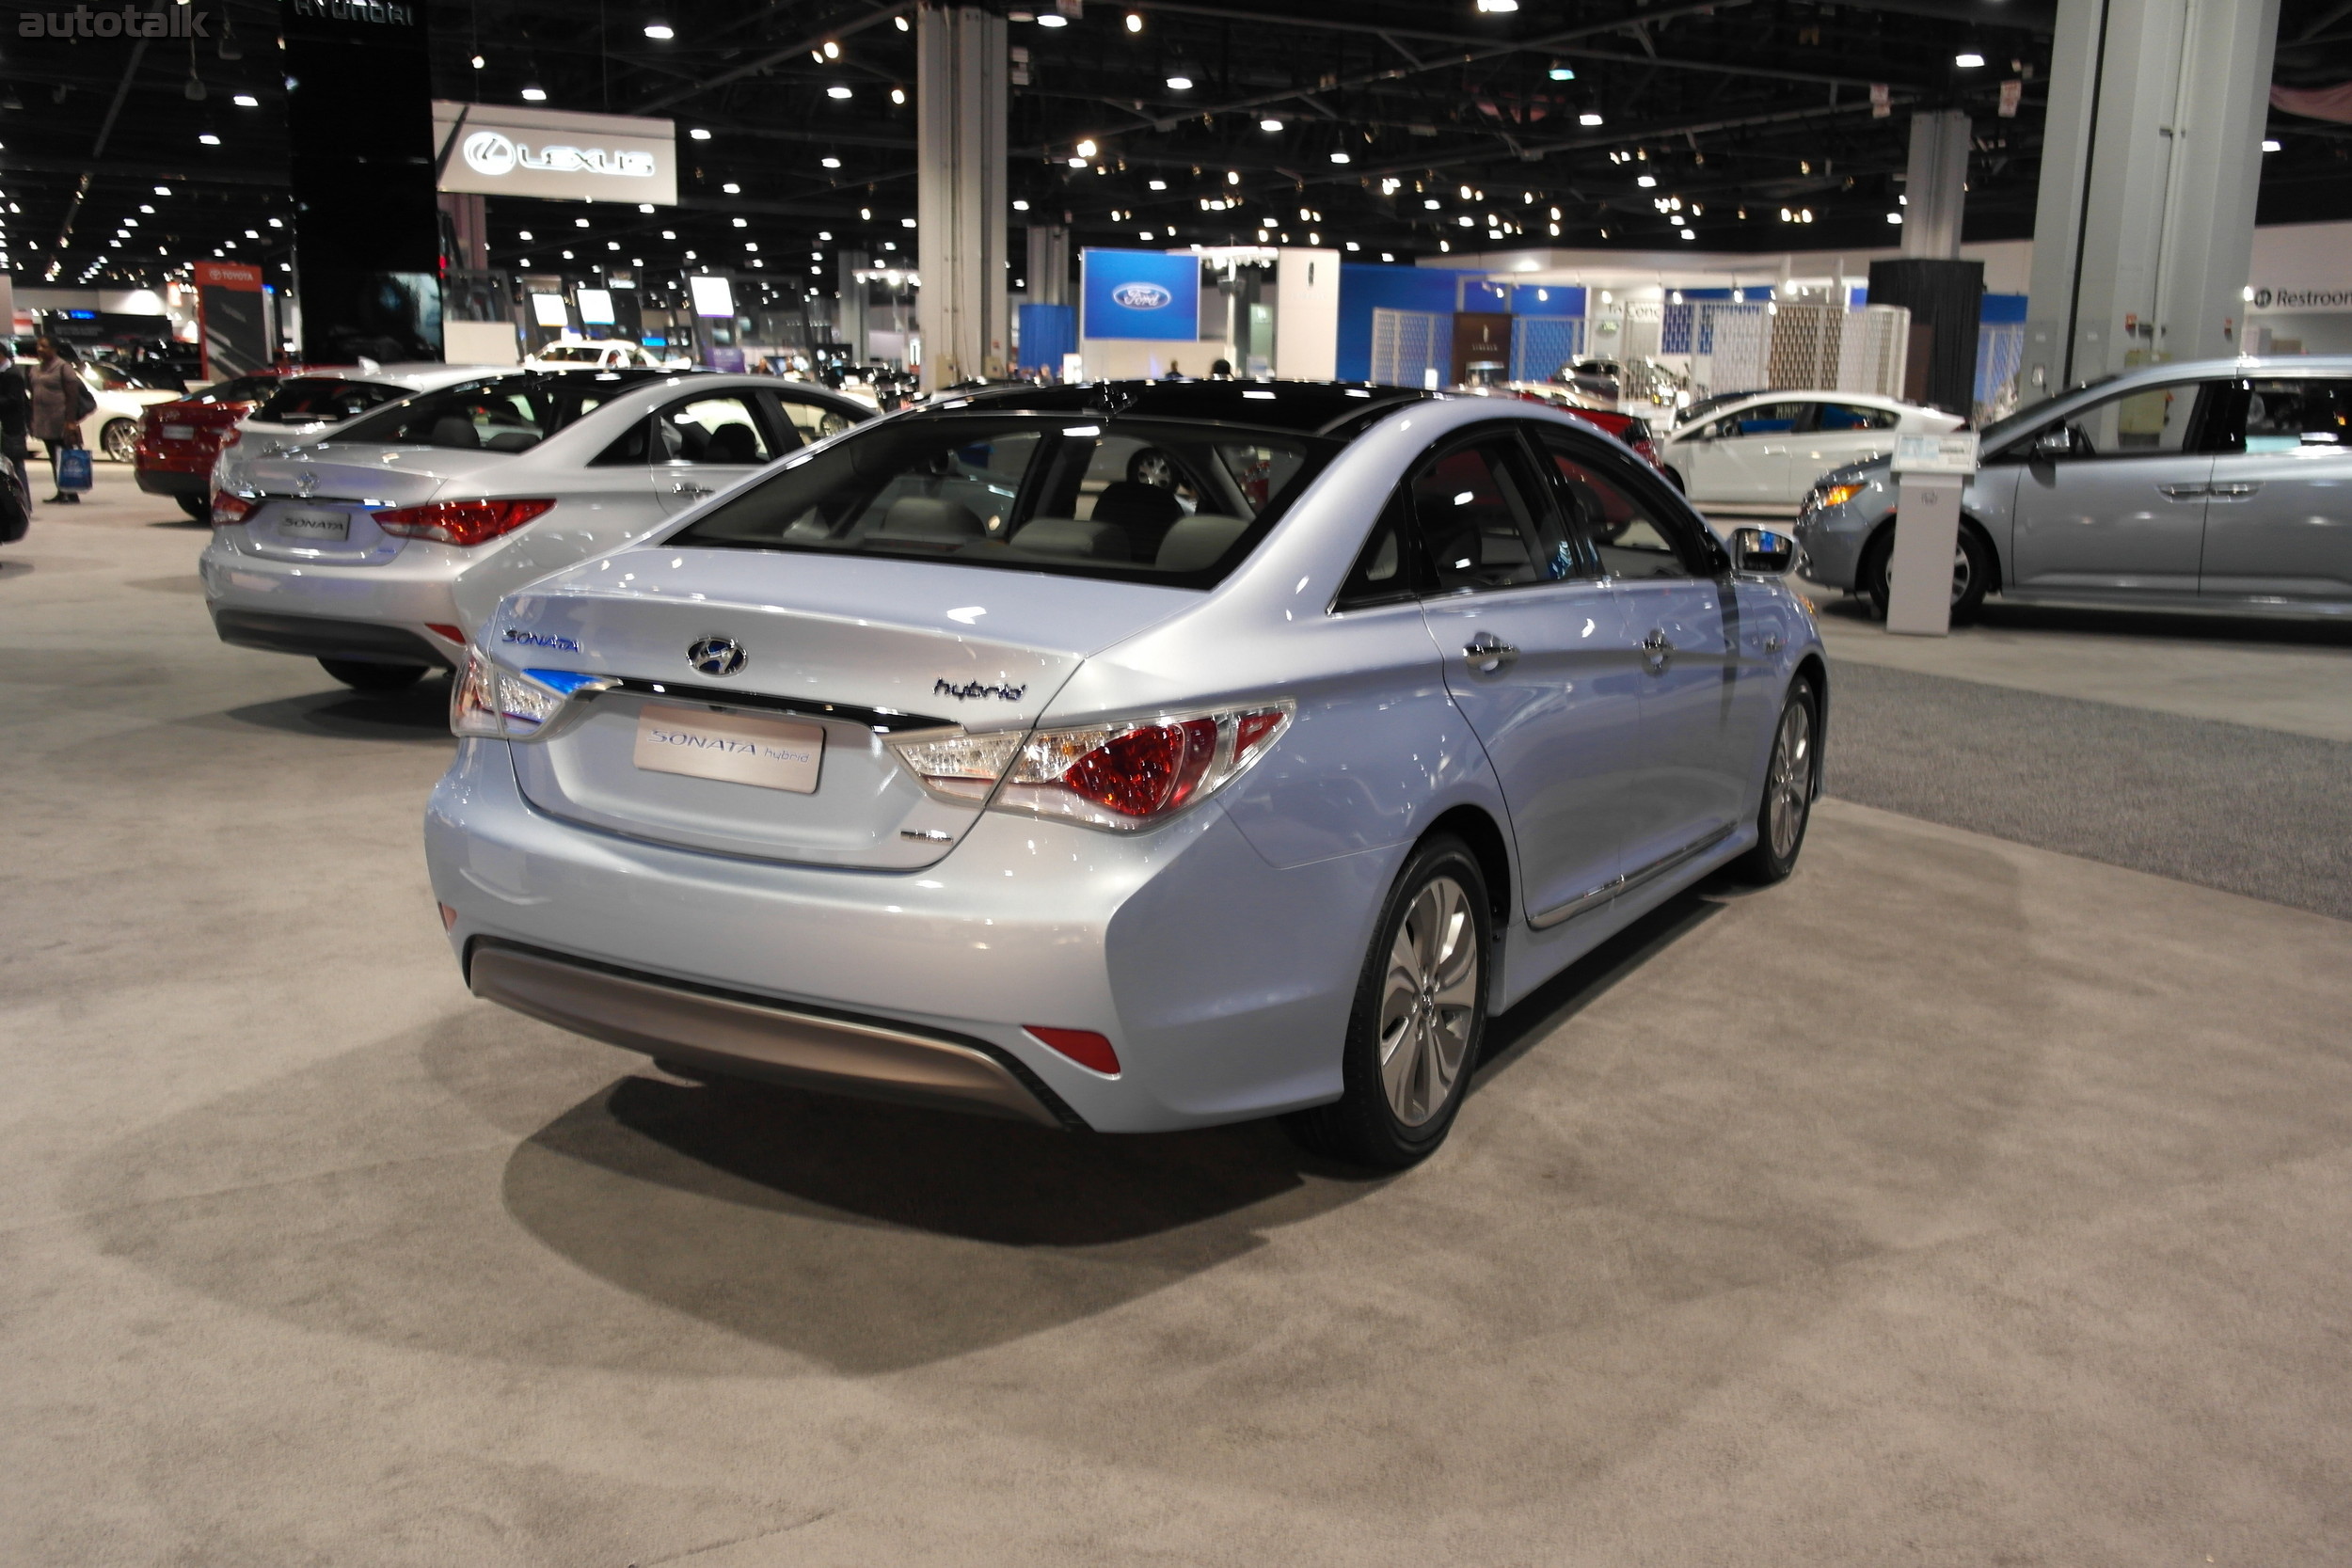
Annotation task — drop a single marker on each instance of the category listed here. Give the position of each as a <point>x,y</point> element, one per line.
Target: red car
<point>178,440</point>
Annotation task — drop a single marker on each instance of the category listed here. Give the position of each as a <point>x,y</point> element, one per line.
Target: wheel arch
<point>1476,828</point>
<point>1884,532</point>
<point>1813,667</point>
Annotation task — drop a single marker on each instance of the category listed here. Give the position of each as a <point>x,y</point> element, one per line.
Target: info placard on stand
<point>1932,471</point>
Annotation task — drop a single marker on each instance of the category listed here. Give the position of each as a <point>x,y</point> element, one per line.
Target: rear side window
<point>813,421</point>
<point>1849,416</point>
<point>1142,500</point>
<point>324,400</point>
<point>241,389</point>
<point>2293,415</point>
<point>1486,521</point>
<point>509,414</point>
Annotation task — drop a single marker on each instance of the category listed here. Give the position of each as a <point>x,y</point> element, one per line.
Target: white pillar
<point>1307,314</point>
<point>1935,190</point>
<point>960,193</point>
<point>2152,159</point>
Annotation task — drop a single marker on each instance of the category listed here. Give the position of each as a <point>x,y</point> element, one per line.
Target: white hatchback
<point>1763,453</point>
<point>381,548</point>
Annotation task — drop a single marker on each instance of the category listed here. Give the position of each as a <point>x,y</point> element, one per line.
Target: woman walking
<point>61,400</point>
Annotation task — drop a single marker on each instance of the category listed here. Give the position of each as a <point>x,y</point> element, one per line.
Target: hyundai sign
<point>494,149</point>
<point>1142,293</point>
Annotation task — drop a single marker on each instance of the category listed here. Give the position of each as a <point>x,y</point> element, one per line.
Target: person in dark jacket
<point>61,400</point>
<point>16,416</point>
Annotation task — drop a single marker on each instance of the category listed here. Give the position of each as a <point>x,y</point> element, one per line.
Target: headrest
<point>929,517</point>
<point>1198,541</point>
<point>1067,536</point>
<point>454,430</point>
<point>1135,504</point>
<point>732,443</point>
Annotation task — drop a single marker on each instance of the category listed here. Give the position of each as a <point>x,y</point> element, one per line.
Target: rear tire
<point>198,508</point>
<point>375,679</point>
<point>1420,1017</point>
<point>120,440</point>
<point>1788,805</point>
<point>1972,572</point>
<point>1674,477</point>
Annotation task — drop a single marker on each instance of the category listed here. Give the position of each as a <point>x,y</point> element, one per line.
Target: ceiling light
<point>479,62</point>
<point>1561,73</point>
<point>580,223</point>
<point>2270,146</point>
<point>1179,84</point>
<point>659,30</point>
<point>743,223</point>
<point>1969,61</point>
<point>906,223</point>
<point>833,50</point>
<point>246,100</point>
<point>522,234</point>
<point>1086,148</point>
<point>666,233</point>
<point>1498,7</point>
<point>163,190</point>
<point>837,92</point>
<point>1339,158</point>
<point>1051,19</point>
<point>1232,177</point>
<point>1134,23</point>
<point>1647,181</point>
<point>1588,117</point>
<point>535,95</point>
<point>209,139</point>
<point>1020,206</point>
<point>1894,217</point>
<point>830,162</point>
<point>698,134</point>
<point>899,95</point>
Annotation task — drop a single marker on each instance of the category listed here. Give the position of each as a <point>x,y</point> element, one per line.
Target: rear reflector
<point>1082,1046</point>
<point>449,633</point>
<point>449,918</point>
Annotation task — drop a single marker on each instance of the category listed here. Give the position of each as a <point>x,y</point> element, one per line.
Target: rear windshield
<point>1142,500</point>
<point>324,400</point>
<point>242,389</point>
<point>511,413</point>
<point>584,354</point>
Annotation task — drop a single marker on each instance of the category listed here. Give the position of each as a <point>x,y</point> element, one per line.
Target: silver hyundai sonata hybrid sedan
<point>948,761</point>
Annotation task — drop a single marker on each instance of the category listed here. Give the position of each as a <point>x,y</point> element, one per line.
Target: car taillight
<point>486,700</point>
<point>1647,452</point>
<point>468,522</point>
<point>1121,776</point>
<point>231,439</point>
<point>229,510</point>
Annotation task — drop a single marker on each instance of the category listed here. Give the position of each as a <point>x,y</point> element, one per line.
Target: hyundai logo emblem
<point>1142,296</point>
<point>717,656</point>
<point>306,485</point>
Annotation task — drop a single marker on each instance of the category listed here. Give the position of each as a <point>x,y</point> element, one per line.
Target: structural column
<point>2152,159</point>
<point>960,196</point>
<point>366,227</point>
<point>1943,294</point>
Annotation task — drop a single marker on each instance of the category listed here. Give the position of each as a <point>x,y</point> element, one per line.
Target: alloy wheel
<point>1791,783</point>
<point>1429,1001</point>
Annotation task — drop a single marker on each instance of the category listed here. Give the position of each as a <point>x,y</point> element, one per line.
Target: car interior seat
<point>1147,512</point>
<point>732,443</point>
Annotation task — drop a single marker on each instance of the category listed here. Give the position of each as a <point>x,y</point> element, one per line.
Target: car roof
<point>1308,407</point>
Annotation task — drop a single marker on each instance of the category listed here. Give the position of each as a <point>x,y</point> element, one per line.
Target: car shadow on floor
<point>419,713</point>
<point>1999,615</point>
<point>1512,1034</point>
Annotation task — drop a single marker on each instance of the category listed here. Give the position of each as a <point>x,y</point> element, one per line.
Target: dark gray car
<point>2225,485</point>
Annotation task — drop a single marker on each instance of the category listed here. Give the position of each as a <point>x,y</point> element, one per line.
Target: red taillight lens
<point>231,439</point>
<point>443,629</point>
<point>1082,1046</point>
<point>229,510</point>
<point>1149,769</point>
<point>1648,453</point>
<point>471,522</point>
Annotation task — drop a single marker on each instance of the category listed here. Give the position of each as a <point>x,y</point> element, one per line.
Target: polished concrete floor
<point>1959,1202</point>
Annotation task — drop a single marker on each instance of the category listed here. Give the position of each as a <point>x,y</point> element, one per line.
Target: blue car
<point>947,760</point>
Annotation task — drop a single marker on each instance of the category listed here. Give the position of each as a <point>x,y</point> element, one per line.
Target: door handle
<point>684,487</point>
<point>1657,652</point>
<point>1489,653</point>
<point>2236,492</point>
<point>2184,492</point>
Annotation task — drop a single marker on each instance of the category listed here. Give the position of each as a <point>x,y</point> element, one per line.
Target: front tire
<point>1972,572</point>
<point>1419,1017</point>
<point>120,440</point>
<point>375,679</point>
<point>1788,805</point>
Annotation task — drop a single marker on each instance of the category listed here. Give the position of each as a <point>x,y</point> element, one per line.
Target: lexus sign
<point>495,150</point>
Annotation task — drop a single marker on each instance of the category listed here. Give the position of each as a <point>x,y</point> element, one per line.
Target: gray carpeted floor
<point>2249,811</point>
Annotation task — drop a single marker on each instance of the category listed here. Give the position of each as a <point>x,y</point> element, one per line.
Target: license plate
<point>179,433</point>
<point>735,748</point>
<point>314,525</point>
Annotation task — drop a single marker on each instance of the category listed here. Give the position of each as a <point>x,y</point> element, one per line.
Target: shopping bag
<point>74,468</point>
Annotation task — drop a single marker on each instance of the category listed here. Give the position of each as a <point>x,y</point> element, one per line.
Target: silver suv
<point>2220,485</point>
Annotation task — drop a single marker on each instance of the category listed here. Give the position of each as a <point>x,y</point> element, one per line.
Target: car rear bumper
<point>169,482</point>
<point>320,637</point>
<point>1223,984</point>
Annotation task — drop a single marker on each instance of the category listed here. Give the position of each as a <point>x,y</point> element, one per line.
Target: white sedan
<point>1763,453</point>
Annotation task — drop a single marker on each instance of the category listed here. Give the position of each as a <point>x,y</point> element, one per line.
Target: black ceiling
<point>1733,107</point>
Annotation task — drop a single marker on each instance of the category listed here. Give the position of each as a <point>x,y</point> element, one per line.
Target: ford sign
<point>1141,296</point>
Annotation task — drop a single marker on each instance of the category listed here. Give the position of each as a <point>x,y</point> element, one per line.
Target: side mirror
<point>2053,443</point>
<point>1760,549</point>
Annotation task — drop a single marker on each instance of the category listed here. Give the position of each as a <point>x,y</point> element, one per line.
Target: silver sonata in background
<point>949,761</point>
<point>380,548</point>
<point>2221,486</point>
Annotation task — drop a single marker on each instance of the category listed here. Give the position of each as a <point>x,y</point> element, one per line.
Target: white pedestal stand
<point>1933,470</point>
